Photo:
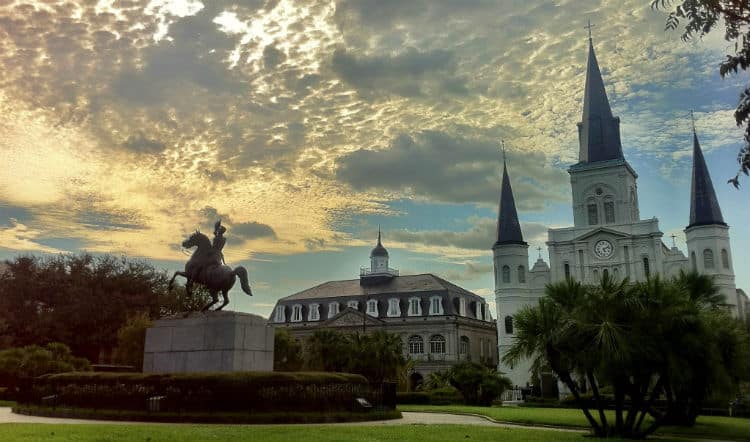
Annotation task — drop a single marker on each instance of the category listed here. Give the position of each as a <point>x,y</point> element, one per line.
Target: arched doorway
<point>415,381</point>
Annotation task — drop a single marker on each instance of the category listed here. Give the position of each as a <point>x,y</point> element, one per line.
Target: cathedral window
<point>566,267</point>
<point>506,274</point>
<point>372,307</point>
<point>646,267</point>
<point>693,262</point>
<point>394,309</point>
<point>314,313</point>
<point>296,313</point>
<point>521,274</point>
<point>415,307</point>
<point>463,346</point>
<point>416,345</point>
<point>333,309</point>
<point>724,258</point>
<point>436,306</point>
<point>280,314</point>
<point>593,214</point>
<point>509,325</point>
<point>609,212</point>
<point>708,259</point>
<point>437,344</point>
<point>605,274</point>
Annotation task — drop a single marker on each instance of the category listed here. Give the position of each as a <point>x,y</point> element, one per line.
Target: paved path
<point>409,418</point>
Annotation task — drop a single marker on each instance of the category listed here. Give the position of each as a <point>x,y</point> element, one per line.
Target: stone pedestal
<point>211,341</point>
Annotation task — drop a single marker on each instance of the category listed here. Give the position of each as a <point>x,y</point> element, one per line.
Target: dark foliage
<point>287,352</point>
<point>225,392</point>
<point>701,17</point>
<point>18,364</point>
<point>80,300</point>
<point>478,384</point>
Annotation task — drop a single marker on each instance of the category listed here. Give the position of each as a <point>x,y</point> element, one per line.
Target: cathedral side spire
<point>508,227</point>
<point>704,207</point>
<point>599,131</point>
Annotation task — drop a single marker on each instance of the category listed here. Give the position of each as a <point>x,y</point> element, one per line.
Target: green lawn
<point>7,403</point>
<point>707,426</point>
<point>265,433</point>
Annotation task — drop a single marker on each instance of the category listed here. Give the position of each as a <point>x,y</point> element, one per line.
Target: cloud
<point>253,230</point>
<point>139,143</point>
<point>446,168</point>
<point>410,73</point>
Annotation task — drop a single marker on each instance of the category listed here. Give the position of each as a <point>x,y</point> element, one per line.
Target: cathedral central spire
<point>599,131</point>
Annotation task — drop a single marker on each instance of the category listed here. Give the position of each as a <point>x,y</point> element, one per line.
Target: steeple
<point>508,227</point>
<point>379,250</point>
<point>704,207</point>
<point>599,131</point>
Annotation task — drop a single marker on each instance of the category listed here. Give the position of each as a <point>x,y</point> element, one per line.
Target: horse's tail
<point>242,274</point>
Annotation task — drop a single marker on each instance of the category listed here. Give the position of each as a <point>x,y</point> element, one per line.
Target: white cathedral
<point>608,235</point>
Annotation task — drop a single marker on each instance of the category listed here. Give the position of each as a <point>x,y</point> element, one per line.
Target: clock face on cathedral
<point>603,249</point>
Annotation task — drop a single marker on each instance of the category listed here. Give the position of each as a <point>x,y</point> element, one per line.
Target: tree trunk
<point>598,399</point>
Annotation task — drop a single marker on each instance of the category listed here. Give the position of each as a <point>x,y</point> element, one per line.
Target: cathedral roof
<point>704,207</point>
<point>599,131</point>
<point>508,227</point>
<point>379,250</point>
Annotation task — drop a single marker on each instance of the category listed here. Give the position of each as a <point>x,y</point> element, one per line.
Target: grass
<point>265,433</point>
<point>706,426</point>
<point>7,403</point>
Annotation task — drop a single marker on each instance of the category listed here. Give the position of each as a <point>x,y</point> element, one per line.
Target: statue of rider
<point>219,241</point>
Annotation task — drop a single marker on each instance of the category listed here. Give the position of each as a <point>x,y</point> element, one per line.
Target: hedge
<point>438,396</point>
<point>208,392</point>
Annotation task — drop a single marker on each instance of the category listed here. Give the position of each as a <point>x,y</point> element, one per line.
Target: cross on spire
<point>589,26</point>
<point>503,149</point>
<point>692,119</point>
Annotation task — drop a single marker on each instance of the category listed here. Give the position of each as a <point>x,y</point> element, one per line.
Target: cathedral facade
<point>608,236</point>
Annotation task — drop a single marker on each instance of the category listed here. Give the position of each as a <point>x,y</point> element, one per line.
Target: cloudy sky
<point>306,124</point>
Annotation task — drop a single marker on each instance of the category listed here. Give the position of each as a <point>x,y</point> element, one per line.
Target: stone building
<point>439,322</point>
<point>608,236</point>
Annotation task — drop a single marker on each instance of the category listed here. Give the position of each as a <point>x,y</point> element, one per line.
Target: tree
<point>80,300</point>
<point>287,352</point>
<point>478,384</point>
<point>33,361</point>
<point>644,340</point>
<point>131,338</point>
<point>327,350</point>
<point>702,16</point>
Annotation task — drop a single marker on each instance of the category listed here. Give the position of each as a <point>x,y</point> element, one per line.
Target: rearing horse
<point>204,267</point>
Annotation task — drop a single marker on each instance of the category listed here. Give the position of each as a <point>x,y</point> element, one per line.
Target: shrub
<point>17,364</point>
<point>240,391</point>
<point>478,384</point>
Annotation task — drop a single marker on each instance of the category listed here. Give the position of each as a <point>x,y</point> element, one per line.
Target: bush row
<point>438,396</point>
<point>211,392</point>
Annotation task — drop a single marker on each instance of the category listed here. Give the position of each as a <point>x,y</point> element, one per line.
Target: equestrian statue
<point>206,266</point>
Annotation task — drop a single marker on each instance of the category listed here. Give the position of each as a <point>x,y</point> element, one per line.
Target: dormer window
<point>296,313</point>
<point>314,313</point>
<point>372,307</point>
<point>462,307</point>
<point>333,309</point>
<point>478,312</point>
<point>280,315</point>
<point>353,304</point>
<point>394,310</point>
<point>415,307</point>
<point>436,306</point>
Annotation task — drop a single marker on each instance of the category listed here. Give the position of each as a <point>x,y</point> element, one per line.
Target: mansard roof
<point>508,227</point>
<point>704,207</point>
<point>598,131</point>
<point>399,285</point>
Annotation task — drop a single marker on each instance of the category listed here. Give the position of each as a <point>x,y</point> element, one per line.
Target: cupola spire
<point>599,131</point>
<point>508,227</point>
<point>704,207</point>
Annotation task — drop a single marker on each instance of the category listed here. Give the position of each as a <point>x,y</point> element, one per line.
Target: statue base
<point>211,341</point>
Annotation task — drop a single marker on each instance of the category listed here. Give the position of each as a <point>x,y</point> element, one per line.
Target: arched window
<point>437,344</point>
<point>646,267</point>
<point>313,314</point>
<point>506,274</point>
<point>693,262</point>
<point>416,345</point>
<point>463,345</point>
<point>724,258</point>
<point>521,274</point>
<point>280,314</point>
<point>372,307</point>
<point>566,267</point>
<point>296,313</point>
<point>609,211</point>
<point>592,212</point>
<point>708,259</point>
<point>415,307</point>
<point>605,274</point>
<point>509,325</point>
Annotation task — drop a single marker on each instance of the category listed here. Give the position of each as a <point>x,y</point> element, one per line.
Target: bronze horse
<point>204,267</point>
